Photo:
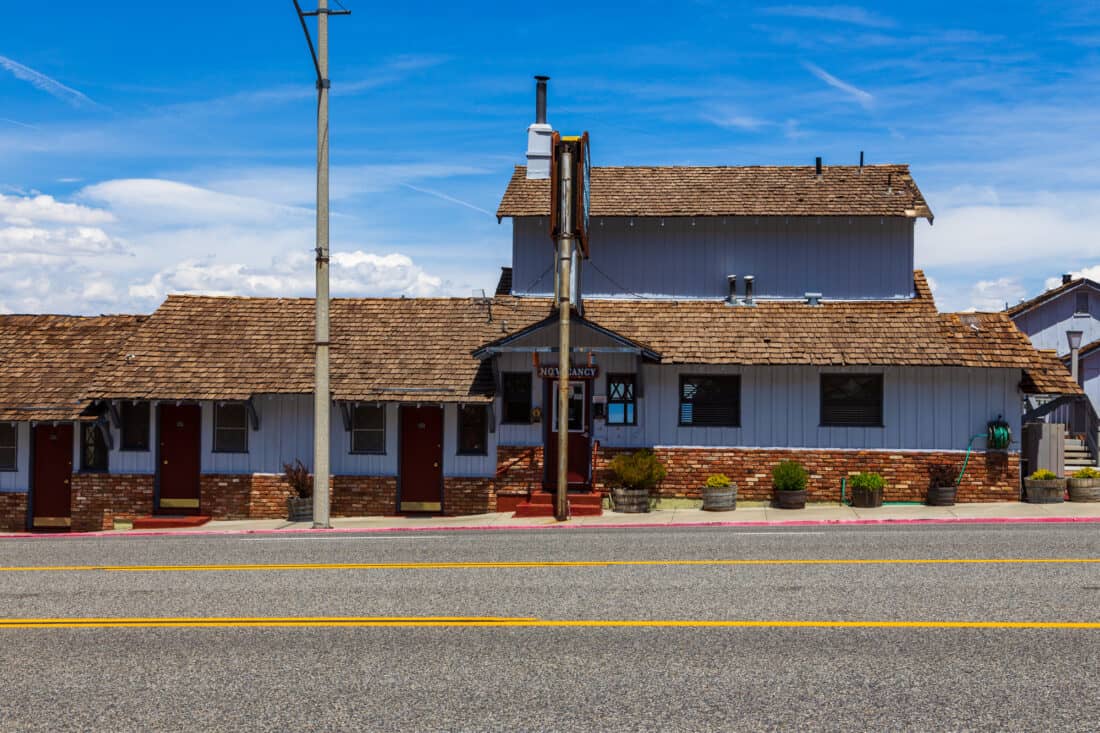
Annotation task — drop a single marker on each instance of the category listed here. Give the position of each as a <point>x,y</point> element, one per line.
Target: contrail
<point>17,122</point>
<point>445,197</point>
<point>51,86</point>
<point>864,98</point>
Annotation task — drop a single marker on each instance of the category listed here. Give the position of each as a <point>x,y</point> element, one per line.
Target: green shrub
<point>1043,475</point>
<point>870,481</point>
<point>942,474</point>
<point>639,470</point>
<point>1086,472</point>
<point>789,476</point>
<point>719,481</point>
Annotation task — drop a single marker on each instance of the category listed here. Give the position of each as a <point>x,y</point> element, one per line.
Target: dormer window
<point>1082,304</point>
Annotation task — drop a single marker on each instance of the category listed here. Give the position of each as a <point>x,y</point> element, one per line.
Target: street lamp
<point>1074,338</point>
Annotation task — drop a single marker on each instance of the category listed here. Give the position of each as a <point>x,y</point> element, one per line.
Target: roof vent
<point>749,281</point>
<point>1067,278</point>
<point>861,162</point>
<point>731,297</point>
<point>818,166</point>
<point>813,298</point>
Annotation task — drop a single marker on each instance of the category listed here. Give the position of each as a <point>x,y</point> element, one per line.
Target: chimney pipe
<point>1067,279</point>
<point>861,162</point>
<point>540,99</point>
<point>749,280</point>
<point>731,280</point>
<point>819,168</point>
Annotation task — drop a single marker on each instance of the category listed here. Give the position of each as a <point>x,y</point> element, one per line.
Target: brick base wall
<point>99,499</point>
<point>990,476</point>
<point>363,496</point>
<point>13,511</point>
<point>519,469</point>
<point>244,496</point>
<point>462,495</point>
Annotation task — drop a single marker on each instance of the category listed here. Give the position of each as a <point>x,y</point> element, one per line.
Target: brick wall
<point>462,495</point>
<point>989,476</point>
<point>13,511</point>
<point>98,499</point>
<point>519,469</point>
<point>363,496</point>
<point>244,496</point>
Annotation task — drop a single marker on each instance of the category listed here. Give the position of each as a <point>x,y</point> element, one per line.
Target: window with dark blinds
<point>851,400</point>
<point>230,428</point>
<point>711,401</point>
<point>7,446</point>
<point>368,429</point>
<point>516,397</point>
<point>135,426</point>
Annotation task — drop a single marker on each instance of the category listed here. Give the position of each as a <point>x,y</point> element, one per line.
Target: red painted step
<point>541,504</point>
<point>166,522</point>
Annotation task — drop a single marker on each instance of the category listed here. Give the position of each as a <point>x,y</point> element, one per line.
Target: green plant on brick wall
<point>789,476</point>
<point>639,470</point>
<point>867,481</point>
<point>1043,475</point>
<point>719,481</point>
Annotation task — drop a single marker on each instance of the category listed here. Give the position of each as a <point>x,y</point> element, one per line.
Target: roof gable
<point>1051,295</point>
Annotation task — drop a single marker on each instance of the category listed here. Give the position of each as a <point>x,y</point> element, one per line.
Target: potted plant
<point>867,490</point>
<point>942,486</point>
<point>1084,485</point>
<point>1044,487</point>
<point>299,505</point>
<point>789,481</point>
<point>719,494</point>
<point>635,475</point>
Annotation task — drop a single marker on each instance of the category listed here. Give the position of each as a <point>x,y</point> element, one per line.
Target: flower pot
<point>720,500</point>
<point>866,498</point>
<point>1084,489</point>
<point>942,495</point>
<point>630,501</point>
<point>791,499</point>
<point>1051,491</point>
<point>298,509</point>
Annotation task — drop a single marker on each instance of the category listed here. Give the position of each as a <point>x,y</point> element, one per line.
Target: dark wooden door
<point>53,475</point>
<point>180,459</point>
<point>580,432</point>
<point>421,470</point>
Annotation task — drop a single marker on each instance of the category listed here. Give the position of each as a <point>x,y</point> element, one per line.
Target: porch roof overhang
<point>527,341</point>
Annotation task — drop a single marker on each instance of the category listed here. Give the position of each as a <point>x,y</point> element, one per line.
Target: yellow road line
<point>516,622</point>
<point>542,564</point>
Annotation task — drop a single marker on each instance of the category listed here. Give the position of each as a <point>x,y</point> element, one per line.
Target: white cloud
<point>69,242</point>
<point>838,13</point>
<point>51,86</point>
<point>153,200</point>
<point>733,119</point>
<point>993,295</point>
<point>864,98</point>
<point>29,210</point>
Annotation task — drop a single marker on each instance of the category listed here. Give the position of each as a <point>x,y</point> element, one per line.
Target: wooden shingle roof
<point>877,190</point>
<point>47,362</point>
<point>1051,294</point>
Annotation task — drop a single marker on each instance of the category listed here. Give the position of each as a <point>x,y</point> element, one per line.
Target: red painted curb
<point>521,527</point>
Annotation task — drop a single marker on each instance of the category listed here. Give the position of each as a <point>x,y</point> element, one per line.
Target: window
<point>516,397</point>
<point>851,400</point>
<point>1082,302</point>
<point>711,401</point>
<point>7,446</point>
<point>93,447</point>
<point>621,405</point>
<point>473,430</point>
<point>135,426</point>
<point>368,429</point>
<point>231,428</point>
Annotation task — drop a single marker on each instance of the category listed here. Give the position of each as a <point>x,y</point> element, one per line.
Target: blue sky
<point>167,150</point>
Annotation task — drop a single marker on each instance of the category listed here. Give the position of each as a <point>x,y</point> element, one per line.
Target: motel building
<point>729,318</point>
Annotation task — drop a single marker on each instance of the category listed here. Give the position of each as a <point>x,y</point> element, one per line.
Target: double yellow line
<point>244,567</point>
<point>514,622</point>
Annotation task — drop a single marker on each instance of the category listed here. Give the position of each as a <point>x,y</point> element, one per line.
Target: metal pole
<point>321,391</point>
<point>565,259</point>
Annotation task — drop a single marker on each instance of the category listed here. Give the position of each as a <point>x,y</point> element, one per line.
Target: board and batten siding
<point>841,257</point>
<point>19,480</point>
<point>1046,325</point>
<point>924,408</point>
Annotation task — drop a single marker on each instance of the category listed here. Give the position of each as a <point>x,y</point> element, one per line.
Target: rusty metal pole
<point>565,260</point>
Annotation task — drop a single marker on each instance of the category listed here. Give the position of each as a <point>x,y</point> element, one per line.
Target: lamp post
<point>1074,338</point>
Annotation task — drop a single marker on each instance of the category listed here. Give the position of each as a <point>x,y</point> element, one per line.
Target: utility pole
<point>565,206</point>
<point>321,390</point>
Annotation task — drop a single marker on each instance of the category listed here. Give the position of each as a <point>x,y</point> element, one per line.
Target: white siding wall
<point>19,480</point>
<point>924,408</point>
<point>456,465</point>
<point>345,463</point>
<point>139,462</point>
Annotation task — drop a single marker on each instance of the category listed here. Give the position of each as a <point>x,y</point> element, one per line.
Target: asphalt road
<point>899,628</point>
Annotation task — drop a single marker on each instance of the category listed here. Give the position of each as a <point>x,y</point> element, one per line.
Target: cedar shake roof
<point>1051,294</point>
<point>1050,376</point>
<point>47,362</point>
<point>879,190</point>
<point>384,349</point>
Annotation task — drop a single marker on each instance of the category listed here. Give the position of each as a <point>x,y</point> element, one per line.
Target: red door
<point>180,451</point>
<point>53,474</point>
<point>580,431</point>
<point>421,471</point>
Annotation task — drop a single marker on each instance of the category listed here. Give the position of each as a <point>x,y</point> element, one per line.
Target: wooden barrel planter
<point>791,499</point>
<point>298,509</point>
<point>866,498</point>
<point>630,501</point>
<point>1084,489</point>
<point>1045,491</point>
<point>942,495</point>
<point>720,500</point>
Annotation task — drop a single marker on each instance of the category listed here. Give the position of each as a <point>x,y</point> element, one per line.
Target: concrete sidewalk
<point>750,514</point>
